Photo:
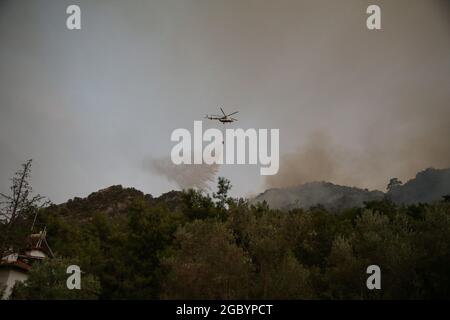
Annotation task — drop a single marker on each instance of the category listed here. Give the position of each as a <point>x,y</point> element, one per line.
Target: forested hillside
<point>193,245</point>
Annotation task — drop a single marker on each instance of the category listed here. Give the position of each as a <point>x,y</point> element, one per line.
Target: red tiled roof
<point>16,264</point>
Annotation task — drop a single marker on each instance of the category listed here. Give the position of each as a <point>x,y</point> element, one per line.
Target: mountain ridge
<point>427,186</point>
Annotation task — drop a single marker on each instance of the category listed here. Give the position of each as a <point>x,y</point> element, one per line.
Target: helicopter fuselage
<point>221,119</point>
<point>226,120</point>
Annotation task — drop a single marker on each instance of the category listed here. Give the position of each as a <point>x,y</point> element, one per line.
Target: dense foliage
<point>47,280</point>
<point>190,245</point>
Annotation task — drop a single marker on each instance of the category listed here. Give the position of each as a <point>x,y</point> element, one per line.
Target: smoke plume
<point>186,176</point>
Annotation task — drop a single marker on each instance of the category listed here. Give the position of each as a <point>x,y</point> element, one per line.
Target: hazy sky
<point>93,107</point>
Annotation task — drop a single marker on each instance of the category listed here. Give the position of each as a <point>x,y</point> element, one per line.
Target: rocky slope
<point>327,194</point>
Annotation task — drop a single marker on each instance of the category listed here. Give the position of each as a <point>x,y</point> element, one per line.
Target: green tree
<point>278,273</point>
<point>137,261</point>
<point>18,211</point>
<point>47,281</point>
<point>196,205</point>
<point>206,264</point>
<point>223,187</point>
<point>346,274</point>
<point>432,247</point>
<point>394,182</point>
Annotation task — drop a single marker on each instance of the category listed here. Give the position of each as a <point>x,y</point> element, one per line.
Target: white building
<point>15,267</point>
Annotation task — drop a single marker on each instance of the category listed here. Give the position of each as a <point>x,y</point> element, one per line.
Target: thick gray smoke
<point>388,114</point>
<point>423,144</point>
<point>197,176</point>
<point>318,160</point>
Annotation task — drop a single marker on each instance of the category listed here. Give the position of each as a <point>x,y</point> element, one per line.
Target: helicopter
<point>224,119</point>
